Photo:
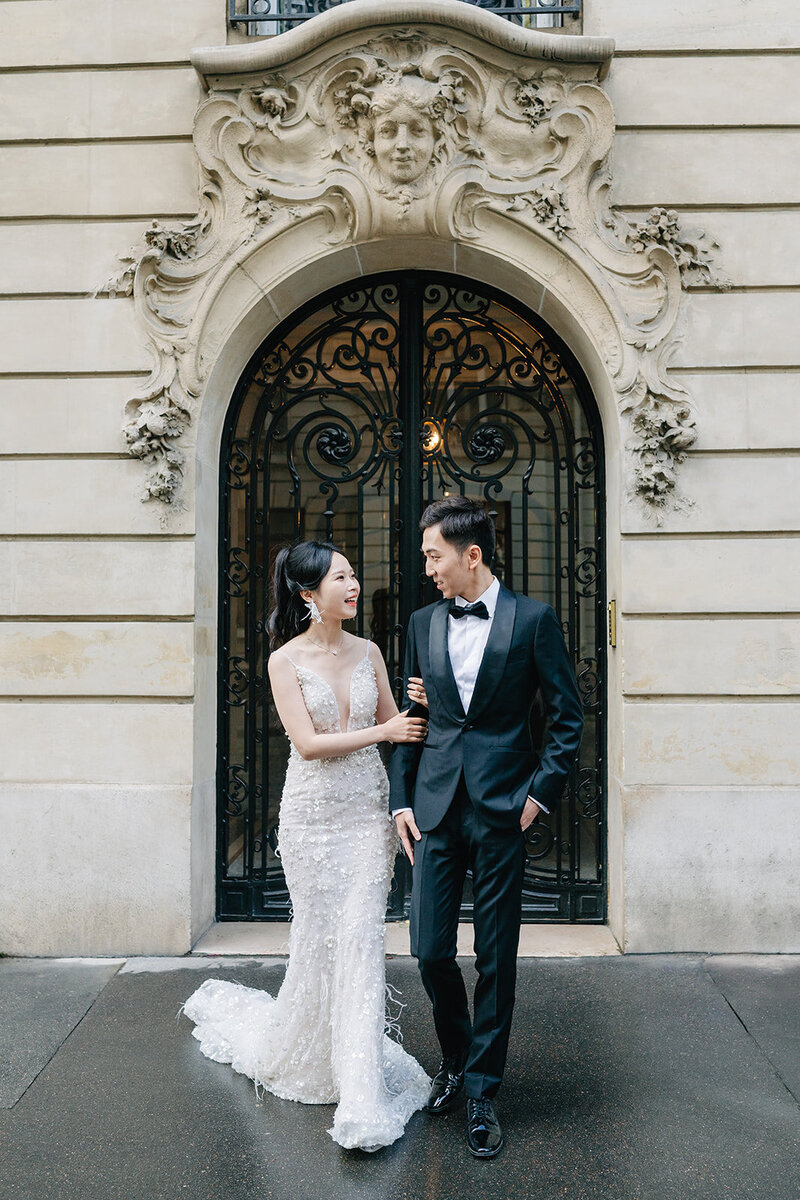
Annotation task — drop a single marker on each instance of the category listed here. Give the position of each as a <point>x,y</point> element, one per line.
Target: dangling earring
<point>313,612</point>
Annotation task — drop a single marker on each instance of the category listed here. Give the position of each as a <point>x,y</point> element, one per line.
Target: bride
<point>322,1039</point>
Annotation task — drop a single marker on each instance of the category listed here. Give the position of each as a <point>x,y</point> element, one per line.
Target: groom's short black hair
<point>463,523</point>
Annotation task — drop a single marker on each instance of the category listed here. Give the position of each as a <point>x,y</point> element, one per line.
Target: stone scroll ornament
<point>407,133</point>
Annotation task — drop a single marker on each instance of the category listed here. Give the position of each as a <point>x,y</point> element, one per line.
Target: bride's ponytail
<point>297,568</point>
<point>280,617</point>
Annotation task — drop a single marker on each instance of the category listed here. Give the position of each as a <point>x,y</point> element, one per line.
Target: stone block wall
<point>707,102</point>
<point>97,590</point>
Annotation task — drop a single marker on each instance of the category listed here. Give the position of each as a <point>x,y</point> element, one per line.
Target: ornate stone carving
<point>165,275</point>
<point>273,99</point>
<point>537,96</point>
<point>547,205</point>
<point>691,248</point>
<point>156,419</point>
<point>391,131</point>
<point>260,205</point>
<point>400,126</point>
<point>663,428</point>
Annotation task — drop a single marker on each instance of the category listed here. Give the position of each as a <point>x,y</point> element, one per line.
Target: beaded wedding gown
<point>322,1039</point>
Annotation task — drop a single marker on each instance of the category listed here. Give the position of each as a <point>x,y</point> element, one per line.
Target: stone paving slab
<point>629,1078</point>
<point>41,1001</point>
<point>764,992</point>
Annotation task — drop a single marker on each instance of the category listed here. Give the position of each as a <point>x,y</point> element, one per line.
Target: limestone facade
<point>108,637</point>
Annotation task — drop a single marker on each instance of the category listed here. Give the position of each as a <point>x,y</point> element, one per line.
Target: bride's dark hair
<point>297,568</point>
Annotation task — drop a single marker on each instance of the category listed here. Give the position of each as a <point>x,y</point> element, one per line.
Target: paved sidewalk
<point>629,1078</point>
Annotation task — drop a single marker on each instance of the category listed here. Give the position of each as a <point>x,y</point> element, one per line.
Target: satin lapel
<point>441,669</point>
<point>493,663</point>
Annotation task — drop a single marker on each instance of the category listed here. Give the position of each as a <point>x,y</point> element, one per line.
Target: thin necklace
<point>327,649</point>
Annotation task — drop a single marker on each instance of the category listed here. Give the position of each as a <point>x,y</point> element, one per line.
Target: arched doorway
<point>369,402</point>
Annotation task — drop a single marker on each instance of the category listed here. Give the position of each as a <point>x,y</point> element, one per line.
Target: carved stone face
<point>403,139</point>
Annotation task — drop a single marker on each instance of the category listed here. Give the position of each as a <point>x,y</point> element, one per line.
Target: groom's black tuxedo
<point>492,742</point>
<point>467,787</point>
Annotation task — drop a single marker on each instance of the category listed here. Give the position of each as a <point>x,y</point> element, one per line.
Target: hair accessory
<point>313,612</point>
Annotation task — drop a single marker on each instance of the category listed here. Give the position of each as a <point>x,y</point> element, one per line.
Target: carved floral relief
<point>408,133</point>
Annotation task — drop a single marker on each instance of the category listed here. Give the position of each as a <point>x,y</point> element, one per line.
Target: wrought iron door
<point>365,406</point>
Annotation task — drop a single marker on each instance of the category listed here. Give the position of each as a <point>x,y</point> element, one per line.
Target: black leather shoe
<point>484,1135</point>
<point>448,1084</point>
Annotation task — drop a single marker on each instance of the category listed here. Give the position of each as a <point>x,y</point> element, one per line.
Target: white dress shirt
<point>466,643</point>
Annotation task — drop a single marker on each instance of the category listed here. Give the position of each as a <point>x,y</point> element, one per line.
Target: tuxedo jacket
<point>492,742</point>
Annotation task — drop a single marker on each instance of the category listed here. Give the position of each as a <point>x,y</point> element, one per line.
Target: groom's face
<point>448,569</point>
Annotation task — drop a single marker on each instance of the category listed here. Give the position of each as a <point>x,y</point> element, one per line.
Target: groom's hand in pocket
<point>407,829</point>
<point>529,813</point>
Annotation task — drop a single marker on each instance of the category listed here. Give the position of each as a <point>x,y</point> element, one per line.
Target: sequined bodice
<point>311,783</point>
<point>322,704</point>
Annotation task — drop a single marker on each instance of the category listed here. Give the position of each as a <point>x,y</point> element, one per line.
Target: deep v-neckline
<point>342,728</point>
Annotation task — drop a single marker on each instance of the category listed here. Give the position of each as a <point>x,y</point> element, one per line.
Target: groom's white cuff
<point>407,808</point>
<point>541,806</point>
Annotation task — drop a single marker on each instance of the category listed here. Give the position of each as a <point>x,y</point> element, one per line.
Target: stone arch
<point>286,144</point>
<point>261,293</point>
<point>274,282</point>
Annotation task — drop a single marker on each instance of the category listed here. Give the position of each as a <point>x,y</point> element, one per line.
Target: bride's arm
<point>386,703</point>
<point>309,744</point>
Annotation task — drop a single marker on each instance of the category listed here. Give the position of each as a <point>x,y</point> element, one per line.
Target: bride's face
<point>337,595</point>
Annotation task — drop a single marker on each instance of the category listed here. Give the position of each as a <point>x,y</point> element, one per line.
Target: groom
<point>465,799</point>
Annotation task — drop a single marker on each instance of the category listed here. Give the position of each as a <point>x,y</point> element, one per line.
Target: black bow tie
<point>478,609</point>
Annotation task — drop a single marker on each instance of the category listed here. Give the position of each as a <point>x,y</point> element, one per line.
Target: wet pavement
<point>629,1078</point>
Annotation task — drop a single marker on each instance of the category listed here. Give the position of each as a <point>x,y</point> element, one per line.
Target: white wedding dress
<point>322,1039</point>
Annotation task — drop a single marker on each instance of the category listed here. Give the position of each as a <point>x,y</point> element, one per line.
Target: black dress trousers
<point>497,860</point>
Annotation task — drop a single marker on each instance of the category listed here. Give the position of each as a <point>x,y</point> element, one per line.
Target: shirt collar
<point>489,597</point>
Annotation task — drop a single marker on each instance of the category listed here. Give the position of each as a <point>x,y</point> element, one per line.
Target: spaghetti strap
<point>366,652</point>
<point>281,650</point>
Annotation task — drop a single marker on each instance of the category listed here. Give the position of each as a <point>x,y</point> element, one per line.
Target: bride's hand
<point>416,691</point>
<point>405,729</point>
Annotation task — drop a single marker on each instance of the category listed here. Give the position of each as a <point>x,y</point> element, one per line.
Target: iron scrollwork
<point>271,16</point>
<point>334,445</point>
<point>345,425</point>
